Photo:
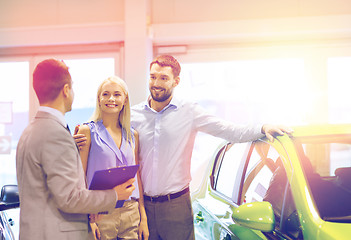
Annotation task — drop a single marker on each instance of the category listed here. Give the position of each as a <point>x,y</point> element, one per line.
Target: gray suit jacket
<point>54,201</point>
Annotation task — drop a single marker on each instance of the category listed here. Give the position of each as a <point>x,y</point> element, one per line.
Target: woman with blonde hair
<point>111,142</point>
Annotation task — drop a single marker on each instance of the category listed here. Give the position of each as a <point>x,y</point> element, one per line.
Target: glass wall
<point>339,79</point>
<point>14,117</point>
<point>249,91</point>
<point>14,107</point>
<point>86,74</point>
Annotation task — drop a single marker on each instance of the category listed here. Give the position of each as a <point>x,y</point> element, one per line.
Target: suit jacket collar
<point>47,115</point>
<point>60,117</point>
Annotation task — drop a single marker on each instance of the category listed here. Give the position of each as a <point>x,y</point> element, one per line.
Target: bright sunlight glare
<point>250,91</point>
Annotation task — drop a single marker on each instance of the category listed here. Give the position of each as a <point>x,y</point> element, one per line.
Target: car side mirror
<point>9,197</point>
<point>255,215</point>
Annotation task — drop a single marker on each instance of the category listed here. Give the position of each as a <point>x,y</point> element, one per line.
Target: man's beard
<point>161,97</point>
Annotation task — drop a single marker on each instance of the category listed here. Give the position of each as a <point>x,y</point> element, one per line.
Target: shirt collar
<point>54,112</point>
<point>175,102</point>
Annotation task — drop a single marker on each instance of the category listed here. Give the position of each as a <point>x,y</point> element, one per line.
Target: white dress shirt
<point>167,139</point>
<point>59,115</point>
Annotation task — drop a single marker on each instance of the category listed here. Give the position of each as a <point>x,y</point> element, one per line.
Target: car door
<point>213,212</point>
<point>210,212</point>
<point>257,169</point>
<point>5,228</point>
<point>264,179</point>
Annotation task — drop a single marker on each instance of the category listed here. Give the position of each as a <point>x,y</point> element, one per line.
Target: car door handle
<point>199,217</point>
<point>11,222</point>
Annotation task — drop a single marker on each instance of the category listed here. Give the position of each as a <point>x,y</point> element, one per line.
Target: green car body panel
<point>257,215</point>
<point>251,220</point>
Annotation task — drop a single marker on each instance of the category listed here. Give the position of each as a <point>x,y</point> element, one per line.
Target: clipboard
<point>109,178</point>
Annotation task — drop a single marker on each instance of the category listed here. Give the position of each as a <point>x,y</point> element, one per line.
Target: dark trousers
<point>171,220</point>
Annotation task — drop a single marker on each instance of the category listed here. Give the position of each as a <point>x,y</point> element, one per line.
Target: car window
<point>266,180</point>
<point>227,168</point>
<point>327,167</point>
<point>280,196</point>
<point>258,173</point>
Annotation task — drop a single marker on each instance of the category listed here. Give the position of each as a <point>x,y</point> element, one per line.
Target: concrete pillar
<point>137,48</point>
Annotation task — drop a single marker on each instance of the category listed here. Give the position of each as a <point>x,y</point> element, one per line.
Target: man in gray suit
<point>53,194</point>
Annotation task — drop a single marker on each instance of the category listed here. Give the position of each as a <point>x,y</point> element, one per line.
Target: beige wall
<point>41,22</point>
<point>34,13</point>
<point>168,11</point>
<point>29,13</point>
<point>47,22</point>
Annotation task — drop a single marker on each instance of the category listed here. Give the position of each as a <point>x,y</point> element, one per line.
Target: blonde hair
<point>124,117</point>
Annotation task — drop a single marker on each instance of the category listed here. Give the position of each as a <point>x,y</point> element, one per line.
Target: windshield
<point>326,162</point>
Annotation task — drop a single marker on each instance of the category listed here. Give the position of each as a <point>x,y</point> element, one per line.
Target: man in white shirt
<point>167,127</point>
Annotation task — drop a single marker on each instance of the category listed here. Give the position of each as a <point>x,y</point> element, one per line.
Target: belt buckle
<point>169,197</point>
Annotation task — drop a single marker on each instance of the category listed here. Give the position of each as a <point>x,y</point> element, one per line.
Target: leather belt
<point>168,197</point>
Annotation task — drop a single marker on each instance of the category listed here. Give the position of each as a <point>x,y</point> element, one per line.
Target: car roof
<point>321,130</point>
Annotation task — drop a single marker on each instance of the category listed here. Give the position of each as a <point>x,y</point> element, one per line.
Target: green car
<point>297,187</point>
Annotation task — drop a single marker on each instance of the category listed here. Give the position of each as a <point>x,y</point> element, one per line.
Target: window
<point>260,170</point>
<point>266,180</point>
<point>339,76</point>
<point>246,91</point>
<point>14,108</point>
<point>228,179</point>
<point>87,74</point>
<point>327,168</point>
<point>14,117</point>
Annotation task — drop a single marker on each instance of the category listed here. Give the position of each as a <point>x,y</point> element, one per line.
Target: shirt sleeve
<point>207,123</point>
